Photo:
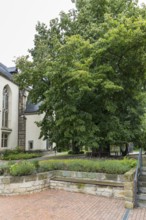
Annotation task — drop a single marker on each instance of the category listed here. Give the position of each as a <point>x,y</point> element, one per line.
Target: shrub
<point>88,154</point>
<point>81,152</point>
<point>19,149</point>
<point>4,169</point>
<point>92,154</point>
<point>71,152</point>
<point>22,168</point>
<point>113,167</point>
<point>51,165</point>
<point>36,164</point>
<point>1,171</point>
<point>129,161</point>
<point>74,165</point>
<point>105,166</point>
<point>20,156</point>
<point>7,152</point>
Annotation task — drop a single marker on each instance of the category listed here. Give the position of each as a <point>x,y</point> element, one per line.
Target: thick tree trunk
<point>124,151</point>
<point>75,148</point>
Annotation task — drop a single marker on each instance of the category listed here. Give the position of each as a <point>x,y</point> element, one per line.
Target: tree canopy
<point>88,70</point>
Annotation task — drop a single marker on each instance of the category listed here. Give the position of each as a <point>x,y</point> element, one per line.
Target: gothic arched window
<point>5,109</point>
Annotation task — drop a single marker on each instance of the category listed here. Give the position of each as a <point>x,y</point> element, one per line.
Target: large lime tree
<point>88,71</point>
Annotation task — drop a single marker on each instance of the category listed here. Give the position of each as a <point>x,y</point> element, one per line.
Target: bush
<point>5,153</point>
<point>74,165</point>
<point>71,152</point>
<point>36,164</point>
<point>113,167</point>
<point>51,165</point>
<point>22,168</point>
<point>129,161</point>
<point>17,150</point>
<point>92,154</point>
<point>3,170</point>
<point>102,166</point>
<point>19,156</point>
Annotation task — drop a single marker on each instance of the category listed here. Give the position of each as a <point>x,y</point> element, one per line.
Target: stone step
<point>144,160</point>
<point>142,184</point>
<point>143,168</point>
<point>142,190</point>
<point>141,204</point>
<point>141,200</point>
<point>142,178</point>
<point>141,197</point>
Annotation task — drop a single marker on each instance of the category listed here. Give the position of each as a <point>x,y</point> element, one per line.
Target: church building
<point>17,116</point>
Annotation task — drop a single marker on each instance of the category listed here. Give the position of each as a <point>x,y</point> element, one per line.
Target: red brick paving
<point>137,214</point>
<point>60,205</point>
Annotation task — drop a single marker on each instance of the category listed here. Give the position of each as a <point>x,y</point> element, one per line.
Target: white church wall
<point>13,112</point>
<point>33,133</point>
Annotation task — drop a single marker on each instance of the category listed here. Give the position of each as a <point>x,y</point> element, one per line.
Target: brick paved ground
<point>137,214</point>
<point>60,205</point>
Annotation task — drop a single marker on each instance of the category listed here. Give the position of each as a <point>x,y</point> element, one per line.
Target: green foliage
<point>1,171</point>
<point>4,169</point>
<point>114,167</point>
<point>36,164</point>
<point>88,71</point>
<point>105,166</point>
<point>129,161</point>
<point>22,168</point>
<point>15,155</point>
<point>7,152</point>
<point>19,149</point>
<point>72,153</point>
<point>51,165</point>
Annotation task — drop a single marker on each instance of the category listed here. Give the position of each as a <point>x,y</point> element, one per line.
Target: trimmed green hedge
<point>20,156</point>
<point>73,153</point>
<point>23,168</point>
<point>102,166</point>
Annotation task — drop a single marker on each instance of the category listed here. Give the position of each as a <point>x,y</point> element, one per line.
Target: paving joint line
<point>126,215</point>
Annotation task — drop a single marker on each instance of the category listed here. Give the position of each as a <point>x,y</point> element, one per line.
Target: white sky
<point>18,19</point>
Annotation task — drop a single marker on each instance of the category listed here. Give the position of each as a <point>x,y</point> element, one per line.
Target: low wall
<point>129,189</point>
<point>102,184</point>
<point>93,189</point>
<point>109,185</point>
<point>26,184</point>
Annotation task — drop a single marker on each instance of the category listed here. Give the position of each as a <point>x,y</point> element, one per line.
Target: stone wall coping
<point>90,175</point>
<point>73,174</point>
<point>129,176</point>
<point>88,181</point>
